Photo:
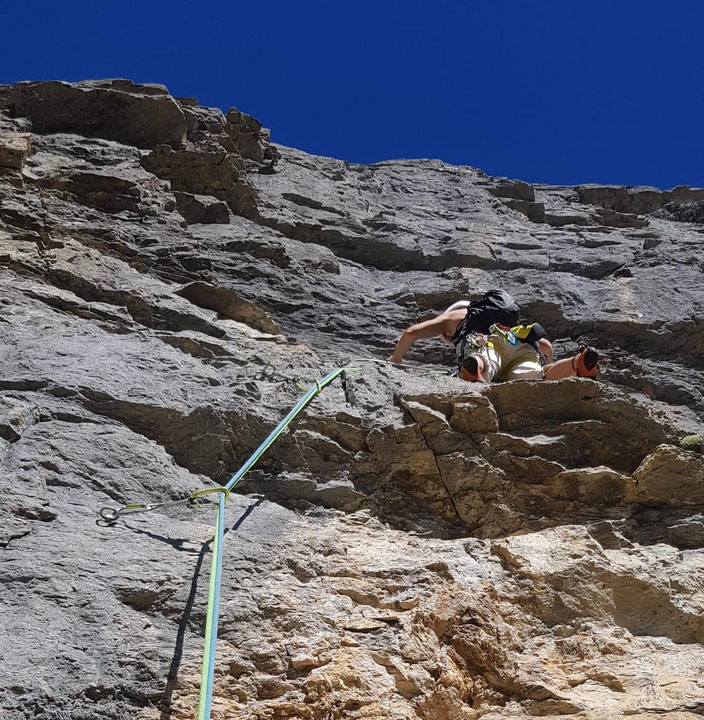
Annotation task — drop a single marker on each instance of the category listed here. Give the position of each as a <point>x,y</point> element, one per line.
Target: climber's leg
<point>521,362</point>
<point>526,369</point>
<point>584,364</point>
<point>545,349</point>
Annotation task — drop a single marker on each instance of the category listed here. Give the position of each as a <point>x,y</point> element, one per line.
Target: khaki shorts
<point>505,360</point>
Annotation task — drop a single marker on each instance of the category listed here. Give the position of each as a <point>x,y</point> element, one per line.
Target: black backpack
<point>495,307</point>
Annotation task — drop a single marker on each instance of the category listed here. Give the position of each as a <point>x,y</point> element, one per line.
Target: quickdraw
<point>470,345</point>
<point>112,515</point>
<point>506,333</point>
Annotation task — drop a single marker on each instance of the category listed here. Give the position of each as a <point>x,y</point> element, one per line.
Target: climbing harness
<point>505,332</point>
<point>469,345</point>
<point>502,349</point>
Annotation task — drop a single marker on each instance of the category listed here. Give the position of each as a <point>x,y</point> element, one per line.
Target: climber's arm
<point>427,329</point>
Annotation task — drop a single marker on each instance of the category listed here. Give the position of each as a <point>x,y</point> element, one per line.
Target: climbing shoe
<point>586,364</point>
<point>469,370</point>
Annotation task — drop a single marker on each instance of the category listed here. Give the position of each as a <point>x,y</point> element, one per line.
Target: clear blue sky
<point>556,91</point>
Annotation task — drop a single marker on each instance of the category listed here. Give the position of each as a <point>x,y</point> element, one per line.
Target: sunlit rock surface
<point>414,546</point>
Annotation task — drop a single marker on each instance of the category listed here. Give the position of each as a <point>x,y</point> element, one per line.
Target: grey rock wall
<point>413,546</point>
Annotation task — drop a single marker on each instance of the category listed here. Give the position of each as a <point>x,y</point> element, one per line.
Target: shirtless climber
<point>490,345</point>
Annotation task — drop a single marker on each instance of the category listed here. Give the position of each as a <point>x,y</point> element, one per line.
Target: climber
<point>464,324</point>
<point>461,318</point>
<point>514,354</point>
<point>464,318</point>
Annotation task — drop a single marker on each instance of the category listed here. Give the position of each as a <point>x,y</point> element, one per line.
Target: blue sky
<point>563,92</point>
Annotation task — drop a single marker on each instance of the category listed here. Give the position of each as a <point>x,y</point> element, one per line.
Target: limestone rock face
<point>413,546</point>
<point>198,209</point>
<point>139,115</point>
<point>14,149</point>
<point>250,138</point>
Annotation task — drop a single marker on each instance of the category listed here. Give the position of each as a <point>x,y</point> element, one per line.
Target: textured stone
<point>193,171</point>
<point>200,172</point>
<point>513,189</point>
<point>5,96</point>
<point>14,150</point>
<point>202,209</point>
<point>248,135</point>
<point>638,200</point>
<point>694,443</point>
<point>413,546</point>
<point>670,476</point>
<point>685,212</point>
<point>139,115</point>
<point>228,303</point>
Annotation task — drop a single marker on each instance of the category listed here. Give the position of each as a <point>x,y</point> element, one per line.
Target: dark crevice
<point>27,385</point>
<point>441,476</point>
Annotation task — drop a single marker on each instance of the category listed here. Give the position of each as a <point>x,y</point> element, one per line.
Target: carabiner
<point>111,515</point>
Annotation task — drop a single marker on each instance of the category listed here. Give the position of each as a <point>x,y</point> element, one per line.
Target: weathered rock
<point>513,189</point>
<point>216,173</point>
<point>534,211</point>
<point>684,212</point>
<point>637,200</point>
<point>193,171</point>
<point>139,115</point>
<point>558,218</point>
<point>412,546</point>
<point>248,135</point>
<point>5,96</point>
<point>202,209</point>
<point>230,304</point>
<point>670,476</point>
<point>207,130</point>
<point>693,443</point>
<point>14,150</point>
<point>621,220</point>
<point>110,192</point>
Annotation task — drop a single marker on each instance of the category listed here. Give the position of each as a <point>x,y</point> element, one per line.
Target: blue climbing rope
<point>313,390</point>
<point>211,622</point>
<point>211,618</point>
